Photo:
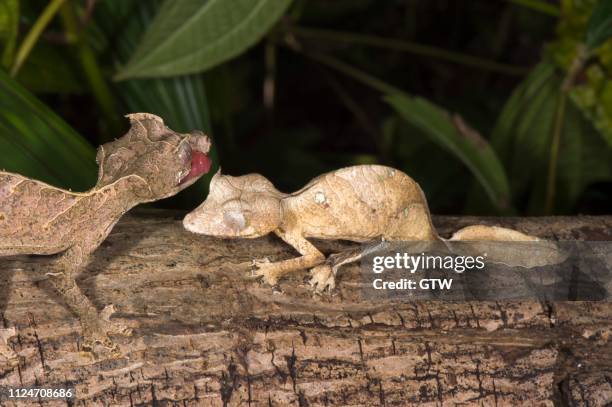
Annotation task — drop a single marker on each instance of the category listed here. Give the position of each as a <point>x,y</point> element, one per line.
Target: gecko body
<point>360,203</point>
<point>148,163</point>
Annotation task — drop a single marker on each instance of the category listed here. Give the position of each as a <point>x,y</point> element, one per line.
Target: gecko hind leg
<point>323,277</point>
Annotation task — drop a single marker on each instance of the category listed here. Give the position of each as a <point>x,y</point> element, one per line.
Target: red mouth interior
<point>200,164</point>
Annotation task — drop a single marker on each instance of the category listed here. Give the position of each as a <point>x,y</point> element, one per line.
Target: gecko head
<point>247,206</point>
<point>161,162</point>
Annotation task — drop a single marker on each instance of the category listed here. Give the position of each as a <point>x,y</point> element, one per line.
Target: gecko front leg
<point>311,256</point>
<point>96,326</point>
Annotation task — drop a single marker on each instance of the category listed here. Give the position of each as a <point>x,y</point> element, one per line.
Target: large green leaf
<point>502,136</point>
<point>180,100</point>
<point>454,136</point>
<point>584,159</point>
<point>599,28</point>
<point>523,138</point>
<point>190,36</point>
<point>530,135</point>
<point>35,142</point>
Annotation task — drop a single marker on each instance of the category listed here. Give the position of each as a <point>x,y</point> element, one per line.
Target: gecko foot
<point>267,271</point>
<point>96,333</point>
<point>322,277</point>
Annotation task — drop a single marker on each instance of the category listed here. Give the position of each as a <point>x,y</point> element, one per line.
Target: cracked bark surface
<point>204,335</point>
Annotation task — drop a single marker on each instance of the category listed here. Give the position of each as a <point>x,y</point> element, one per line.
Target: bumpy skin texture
<point>360,203</point>
<point>148,163</point>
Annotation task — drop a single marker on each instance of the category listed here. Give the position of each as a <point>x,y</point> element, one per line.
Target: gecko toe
<point>265,270</point>
<point>322,278</point>
<point>268,276</point>
<point>101,347</point>
<point>260,262</point>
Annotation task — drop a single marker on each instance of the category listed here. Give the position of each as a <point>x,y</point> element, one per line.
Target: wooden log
<point>205,335</point>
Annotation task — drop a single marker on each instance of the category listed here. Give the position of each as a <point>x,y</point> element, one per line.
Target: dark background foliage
<point>494,107</point>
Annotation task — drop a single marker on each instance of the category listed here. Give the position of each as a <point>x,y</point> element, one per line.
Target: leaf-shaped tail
<point>506,246</point>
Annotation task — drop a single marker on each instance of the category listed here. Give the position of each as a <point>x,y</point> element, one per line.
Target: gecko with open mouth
<point>150,162</point>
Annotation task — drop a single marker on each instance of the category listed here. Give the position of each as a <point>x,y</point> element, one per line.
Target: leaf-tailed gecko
<point>360,204</point>
<point>148,163</point>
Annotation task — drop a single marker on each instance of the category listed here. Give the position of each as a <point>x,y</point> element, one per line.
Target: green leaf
<point>584,159</point>
<point>454,136</point>
<point>502,136</point>
<point>190,36</point>
<point>530,136</point>
<point>180,100</point>
<point>599,28</point>
<point>36,143</point>
<point>523,137</point>
<point>587,24</point>
<point>9,29</point>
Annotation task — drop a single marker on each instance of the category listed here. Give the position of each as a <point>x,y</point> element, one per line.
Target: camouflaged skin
<point>148,163</point>
<point>360,203</point>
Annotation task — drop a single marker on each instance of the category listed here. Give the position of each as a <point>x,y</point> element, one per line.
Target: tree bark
<point>206,335</point>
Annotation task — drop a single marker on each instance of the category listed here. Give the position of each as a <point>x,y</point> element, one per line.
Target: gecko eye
<point>234,220</point>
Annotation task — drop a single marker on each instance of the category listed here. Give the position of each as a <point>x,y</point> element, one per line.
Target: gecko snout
<point>189,222</point>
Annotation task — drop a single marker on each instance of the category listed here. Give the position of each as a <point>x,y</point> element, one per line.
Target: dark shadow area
<point>6,278</point>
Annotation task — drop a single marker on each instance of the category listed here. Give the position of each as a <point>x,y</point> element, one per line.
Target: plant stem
<point>577,65</point>
<point>538,5</point>
<point>99,88</point>
<point>407,46</point>
<point>551,180</point>
<point>354,73</point>
<point>30,40</point>
<point>582,54</point>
